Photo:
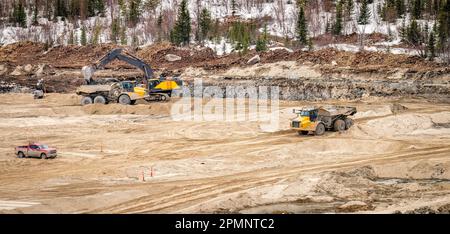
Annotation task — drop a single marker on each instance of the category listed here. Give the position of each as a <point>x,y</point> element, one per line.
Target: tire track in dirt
<point>216,186</point>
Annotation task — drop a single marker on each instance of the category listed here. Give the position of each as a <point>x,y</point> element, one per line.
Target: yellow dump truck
<point>121,92</point>
<point>319,119</point>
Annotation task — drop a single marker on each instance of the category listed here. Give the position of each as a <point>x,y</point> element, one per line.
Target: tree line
<point>425,23</point>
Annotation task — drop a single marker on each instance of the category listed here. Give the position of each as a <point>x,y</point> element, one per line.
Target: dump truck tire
<point>100,100</point>
<point>303,133</point>
<point>86,101</point>
<point>320,129</point>
<point>339,125</point>
<point>348,123</point>
<point>124,99</point>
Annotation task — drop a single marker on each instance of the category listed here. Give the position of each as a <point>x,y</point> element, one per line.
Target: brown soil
<point>220,166</point>
<point>77,56</point>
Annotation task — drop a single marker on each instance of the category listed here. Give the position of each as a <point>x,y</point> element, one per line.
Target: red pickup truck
<point>36,150</point>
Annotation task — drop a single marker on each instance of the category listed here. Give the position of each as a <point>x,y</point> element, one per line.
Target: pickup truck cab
<point>35,150</point>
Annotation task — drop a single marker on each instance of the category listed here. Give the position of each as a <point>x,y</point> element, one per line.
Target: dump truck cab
<point>320,119</point>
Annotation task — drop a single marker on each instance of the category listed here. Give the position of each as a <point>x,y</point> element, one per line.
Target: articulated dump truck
<point>112,93</point>
<point>319,119</point>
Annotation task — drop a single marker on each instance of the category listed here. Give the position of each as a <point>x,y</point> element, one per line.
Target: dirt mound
<point>150,51</point>
<point>21,53</point>
<point>159,109</point>
<point>365,172</point>
<point>155,55</point>
<point>427,170</point>
<point>73,56</point>
<point>398,108</point>
<point>70,56</point>
<point>406,124</point>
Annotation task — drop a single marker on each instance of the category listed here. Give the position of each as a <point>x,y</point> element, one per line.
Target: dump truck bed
<point>337,110</point>
<point>89,89</point>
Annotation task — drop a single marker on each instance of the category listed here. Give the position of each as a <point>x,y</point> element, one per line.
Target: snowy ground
<point>283,15</point>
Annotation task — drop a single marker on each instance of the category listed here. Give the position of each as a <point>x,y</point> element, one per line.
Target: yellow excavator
<point>125,92</point>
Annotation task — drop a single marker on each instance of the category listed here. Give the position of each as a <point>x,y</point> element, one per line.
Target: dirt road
<point>136,159</point>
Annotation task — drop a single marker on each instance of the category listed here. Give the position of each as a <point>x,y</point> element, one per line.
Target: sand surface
<point>387,162</point>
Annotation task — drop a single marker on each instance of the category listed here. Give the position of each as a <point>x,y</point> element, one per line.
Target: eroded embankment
<point>296,81</point>
<point>302,82</point>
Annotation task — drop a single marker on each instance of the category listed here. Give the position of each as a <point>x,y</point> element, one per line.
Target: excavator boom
<point>119,54</point>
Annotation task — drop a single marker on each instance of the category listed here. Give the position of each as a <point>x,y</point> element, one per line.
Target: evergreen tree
<point>403,30</point>
<point>349,6</point>
<point>432,44</point>
<point>302,28</point>
<point>35,12</point>
<point>134,11</point>
<point>71,39</point>
<point>233,7</point>
<point>134,40</point>
<point>123,36</point>
<point>100,7</point>
<point>115,29</point>
<point>123,8</point>
<point>337,28</point>
<point>417,6</point>
<point>96,34</point>
<point>310,44</point>
<point>19,15</point>
<point>400,7</point>
<point>261,43</point>
<point>60,9</point>
<point>414,33</point>
<point>205,24</point>
<point>181,33</point>
<point>443,28</point>
<point>83,39</point>
<point>159,26</point>
<point>364,13</point>
<point>215,30</point>
<point>91,8</point>
<point>239,33</point>
<point>95,7</point>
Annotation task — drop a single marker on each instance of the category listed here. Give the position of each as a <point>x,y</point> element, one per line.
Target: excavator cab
<point>133,87</point>
<point>153,83</point>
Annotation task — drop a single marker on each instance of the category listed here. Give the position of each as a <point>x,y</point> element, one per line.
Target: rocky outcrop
<point>334,84</point>
<point>172,58</point>
<point>254,60</point>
